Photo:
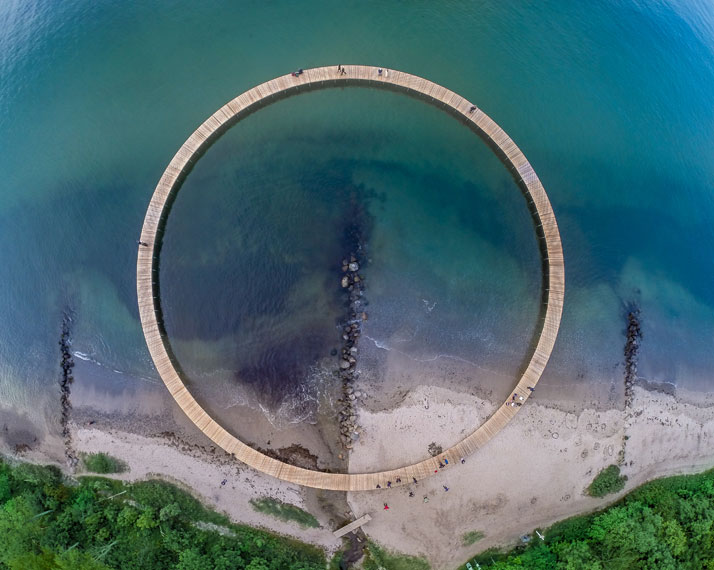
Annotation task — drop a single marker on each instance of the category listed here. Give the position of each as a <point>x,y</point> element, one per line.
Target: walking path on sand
<point>147,268</point>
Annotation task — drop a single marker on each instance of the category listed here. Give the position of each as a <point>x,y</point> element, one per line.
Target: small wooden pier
<point>352,526</point>
<point>328,77</point>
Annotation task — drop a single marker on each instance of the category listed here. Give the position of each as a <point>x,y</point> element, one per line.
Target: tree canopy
<point>47,522</point>
<point>666,524</point>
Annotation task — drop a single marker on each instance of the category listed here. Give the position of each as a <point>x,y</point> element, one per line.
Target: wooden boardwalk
<point>326,77</point>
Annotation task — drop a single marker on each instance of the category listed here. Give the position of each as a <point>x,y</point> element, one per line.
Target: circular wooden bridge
<point>147,267</point>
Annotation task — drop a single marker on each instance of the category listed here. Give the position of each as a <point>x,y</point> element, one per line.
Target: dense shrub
<point>607,481</point>
<point>98,524</point>
<point>103,463</point>
<point>666,524</point>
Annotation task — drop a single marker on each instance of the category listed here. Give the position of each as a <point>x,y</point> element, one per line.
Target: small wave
<point>378,343</point>
<point>84,357</point>
<point>302,405</point>
<point>653,382</point>
<point>383,345</point>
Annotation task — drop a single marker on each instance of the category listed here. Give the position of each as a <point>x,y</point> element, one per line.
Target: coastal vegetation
<point>666,524</point>
<point>377,557</point>
<point>471,537</point>
<point>607,481</point>
<point>103,463</point>
<point>47,521</point>
<point>284,511</point>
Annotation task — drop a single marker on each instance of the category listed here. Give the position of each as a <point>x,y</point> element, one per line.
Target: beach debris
<point>434,449</point>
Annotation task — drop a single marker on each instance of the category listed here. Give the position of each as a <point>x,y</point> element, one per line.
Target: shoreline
<point>532,474</point>
<point>549,445</point>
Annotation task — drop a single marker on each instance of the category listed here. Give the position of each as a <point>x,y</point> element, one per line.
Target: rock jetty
<point>66,379</point>
<point>352,283</point>
<point>632,347</point>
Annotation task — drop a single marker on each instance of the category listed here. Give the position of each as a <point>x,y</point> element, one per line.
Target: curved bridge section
<point>147,269</point>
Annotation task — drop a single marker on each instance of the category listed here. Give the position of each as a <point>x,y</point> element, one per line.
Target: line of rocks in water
<point>353,283</point>
<point>632,347</point>
<point>66,379</point>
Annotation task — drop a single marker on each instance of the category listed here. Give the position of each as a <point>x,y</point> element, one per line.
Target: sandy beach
<point>530,475</point>
<point>201,472</point>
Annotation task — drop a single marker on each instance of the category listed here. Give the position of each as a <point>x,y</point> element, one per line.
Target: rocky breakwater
<point>633,335</point>
<point>353,284</point>
<point>632,347</point>
<point>65,383</point>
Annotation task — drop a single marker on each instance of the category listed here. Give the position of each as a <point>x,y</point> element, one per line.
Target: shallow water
<point>611,103</point>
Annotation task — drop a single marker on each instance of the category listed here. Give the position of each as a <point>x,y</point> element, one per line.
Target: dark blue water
<point>611,103</point>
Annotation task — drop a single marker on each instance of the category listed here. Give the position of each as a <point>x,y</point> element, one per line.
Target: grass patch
<point>377,558</point>
<point>472,537</point>
<point>336,561</point>
<point>284,511</point>
<point>607,481</point>
<point>103,463</point>
<point>156,494</point>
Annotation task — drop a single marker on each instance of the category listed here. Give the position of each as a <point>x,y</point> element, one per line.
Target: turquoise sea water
<point>612,104</point>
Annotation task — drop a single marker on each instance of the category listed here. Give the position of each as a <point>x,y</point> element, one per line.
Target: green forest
<point>47,522</point>
<point>666,524</point>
